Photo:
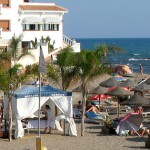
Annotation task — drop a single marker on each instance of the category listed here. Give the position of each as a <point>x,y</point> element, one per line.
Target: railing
<point>68,41</point>
<point>1,32</point>
<point>1,8</point>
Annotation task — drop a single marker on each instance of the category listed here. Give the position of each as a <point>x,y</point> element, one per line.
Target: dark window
<point>25,45</point>
<point>33,27</point>
<point>52,27</point>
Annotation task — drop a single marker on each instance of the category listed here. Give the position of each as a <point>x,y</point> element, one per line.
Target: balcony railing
<point>1,8</point>
<point>67,40</point>
<point>1,32</point>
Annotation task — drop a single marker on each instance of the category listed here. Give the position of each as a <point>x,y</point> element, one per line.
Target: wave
<point>136,54</point>
<point>137,59</point>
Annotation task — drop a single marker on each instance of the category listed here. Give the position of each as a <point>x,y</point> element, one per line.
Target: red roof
<point>42,7</point>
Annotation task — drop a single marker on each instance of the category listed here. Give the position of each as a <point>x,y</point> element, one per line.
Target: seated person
<point>93,108</point>
<point>144,130</point>
<point>44,82</point>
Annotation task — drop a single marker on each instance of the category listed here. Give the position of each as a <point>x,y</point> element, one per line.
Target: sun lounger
<point>94,117</point>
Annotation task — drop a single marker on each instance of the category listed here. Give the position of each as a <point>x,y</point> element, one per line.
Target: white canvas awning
<point>51,20</point>
<point>32,20</point>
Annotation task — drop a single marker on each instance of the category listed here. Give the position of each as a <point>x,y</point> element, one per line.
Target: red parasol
<point>100,96</point>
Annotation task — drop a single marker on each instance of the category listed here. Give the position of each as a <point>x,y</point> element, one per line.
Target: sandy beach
<point>93,139</point>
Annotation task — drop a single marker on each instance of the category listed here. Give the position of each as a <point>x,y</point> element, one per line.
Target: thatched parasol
<point>137,100</point>
<point>119,92</point>
<point>99,90</point>
<point>128,83</point>
<point>141,87</point>
<point>110,82</point>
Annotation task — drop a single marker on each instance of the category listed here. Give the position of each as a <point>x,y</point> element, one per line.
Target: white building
<point>33,20</point>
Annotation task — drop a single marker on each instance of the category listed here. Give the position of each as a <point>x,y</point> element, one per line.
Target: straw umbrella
<point>119,92</point>
<point>99,90</point>
<point>141,88</point>
<point>137,99</point>
<point>128,83</point>
<point>110,82</point>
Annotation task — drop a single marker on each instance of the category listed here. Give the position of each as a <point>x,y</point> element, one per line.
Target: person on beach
<point>93,108</point>
<point>37,82</point>
<point>141,69</point>
<point>44,82</point>
<point>48,115</point>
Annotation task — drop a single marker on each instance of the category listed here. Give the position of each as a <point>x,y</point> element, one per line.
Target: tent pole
<point>99,103</point>
<point>39,104</point>
<point>118,108</point>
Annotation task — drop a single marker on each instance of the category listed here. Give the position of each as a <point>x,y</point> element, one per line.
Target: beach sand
<point>93,139</point>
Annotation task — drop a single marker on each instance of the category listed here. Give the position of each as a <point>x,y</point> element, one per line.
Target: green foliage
<point>32,70</point>
<point>14,46</point>
<point>4,81</point>
<point>108,121</point>
<point>53,73</point>
<point>34,43</point>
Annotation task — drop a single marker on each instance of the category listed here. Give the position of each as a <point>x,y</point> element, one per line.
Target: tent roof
<point>32,91</point>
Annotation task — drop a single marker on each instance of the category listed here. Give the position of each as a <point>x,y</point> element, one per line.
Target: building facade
<point>35,22</point>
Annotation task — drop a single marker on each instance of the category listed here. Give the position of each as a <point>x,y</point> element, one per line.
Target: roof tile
<point>41,8</point>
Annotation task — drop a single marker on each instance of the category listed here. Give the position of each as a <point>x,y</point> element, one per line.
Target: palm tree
<point>15,50</point>
<point>8,83</point>
<point>91,64</point>
<point>65,61</point>
<point>14,47</point>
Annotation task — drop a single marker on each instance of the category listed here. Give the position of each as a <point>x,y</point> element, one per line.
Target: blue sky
<point>106,18</point>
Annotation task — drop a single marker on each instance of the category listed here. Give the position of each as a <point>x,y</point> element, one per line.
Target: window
<point>33,27</point>
<point>52,27</point>
<point>26,0</point>
<point>5,3</point>
<point>4,24</point>
<point>3,49</point>
<point>25,45</point>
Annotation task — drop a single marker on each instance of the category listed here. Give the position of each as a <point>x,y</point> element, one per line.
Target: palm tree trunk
<point>83,111</point>
<point>83,114</point>
<point>10,119</point>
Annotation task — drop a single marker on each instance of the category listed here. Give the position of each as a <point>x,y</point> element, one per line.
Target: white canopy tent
<point>25,102</point>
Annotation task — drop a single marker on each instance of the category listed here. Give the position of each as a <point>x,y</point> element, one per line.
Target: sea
<point>136,51</point>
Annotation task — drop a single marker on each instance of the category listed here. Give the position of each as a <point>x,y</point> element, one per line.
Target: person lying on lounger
<point>93,108</point>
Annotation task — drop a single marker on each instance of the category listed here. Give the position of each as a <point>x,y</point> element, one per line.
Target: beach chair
<point>94,117</point>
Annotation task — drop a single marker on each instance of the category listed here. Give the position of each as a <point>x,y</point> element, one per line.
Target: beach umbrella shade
<point>131,122</point>
<point>101,96</point>
<point>110,82</point>
<point>128,83</point>
<point>99,90</point>
<point>110,89</point>
<point>141,87</point>
<point>147,81</point>
<point>119,78</point>
<point>137,100</point>
<point>119,92</point>
<point>126,69</point>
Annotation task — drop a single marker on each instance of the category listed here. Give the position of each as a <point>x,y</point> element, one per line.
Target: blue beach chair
<point>94,117</point>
